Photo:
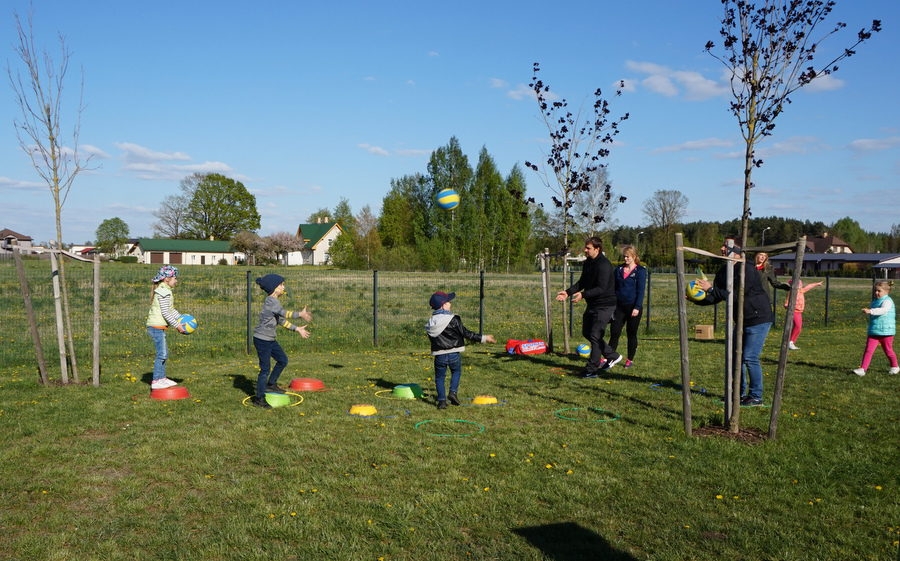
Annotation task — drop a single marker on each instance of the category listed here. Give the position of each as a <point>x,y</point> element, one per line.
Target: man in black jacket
<point>758,318</point>
<point>597,287</point>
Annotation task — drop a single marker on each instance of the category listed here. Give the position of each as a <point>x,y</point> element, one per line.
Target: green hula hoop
<point>480,427</point>
<point>613,417</point>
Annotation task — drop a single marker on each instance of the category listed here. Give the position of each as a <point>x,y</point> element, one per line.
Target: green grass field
<point>560,469</point>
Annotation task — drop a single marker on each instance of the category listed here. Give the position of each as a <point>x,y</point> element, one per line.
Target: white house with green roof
<point>184,252</point>
<point>317,239</point>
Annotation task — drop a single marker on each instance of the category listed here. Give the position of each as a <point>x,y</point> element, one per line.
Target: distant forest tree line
<point>495,228</point>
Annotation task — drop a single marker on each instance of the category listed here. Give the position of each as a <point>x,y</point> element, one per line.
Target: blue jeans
<point>266,351</point>
<point>754,338</point>
<point>453,361</point>
<point>162,352</point>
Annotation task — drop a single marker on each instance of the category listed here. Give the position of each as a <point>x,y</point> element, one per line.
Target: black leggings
<point>623,318</point>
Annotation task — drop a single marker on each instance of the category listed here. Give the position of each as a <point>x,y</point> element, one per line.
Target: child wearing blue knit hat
<point>271,316</point>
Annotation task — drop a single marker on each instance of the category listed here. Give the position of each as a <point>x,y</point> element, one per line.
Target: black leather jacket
<point>453,337</point>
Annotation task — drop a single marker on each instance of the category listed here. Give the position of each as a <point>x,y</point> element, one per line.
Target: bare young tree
<point>665,209</point>
<point>769,49</point>
<point>38,88</point>
<point>579,146</point>
<point>585,204</point>
<point>171,216</point>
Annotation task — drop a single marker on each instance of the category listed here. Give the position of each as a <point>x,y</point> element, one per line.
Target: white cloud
<point>660,84</point>
<point>377,150</point>
<point>135,152</point>
<point>694,145</point>
<point>874,144</point>
<point>154,165</point>
<point>404,152</point>
<point>497,83</point>
<point>94,152</point>
<point>20,185</point>
<point>824,83</point>
<point>627,85</point>
<point>412,152</point>
<point>793,145</point>
<point>521,92</point>
<point>690,85</point>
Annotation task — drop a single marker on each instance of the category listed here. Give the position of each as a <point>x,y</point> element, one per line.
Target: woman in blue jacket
<point>631,280</point>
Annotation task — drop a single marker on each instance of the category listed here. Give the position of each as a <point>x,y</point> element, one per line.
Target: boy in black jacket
<point>448,339</point>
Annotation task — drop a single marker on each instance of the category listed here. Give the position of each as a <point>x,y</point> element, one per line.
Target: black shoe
<point>748,401</point>
<point>590,374</point>
<point>442,404</point>
<point>452,398</point>
<point>261,403</point>
<point>273,388</point>
<point>610,363</point>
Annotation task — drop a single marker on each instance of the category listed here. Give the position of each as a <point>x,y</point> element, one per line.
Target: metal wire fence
<point>358,310</point>
<point>355,311</point>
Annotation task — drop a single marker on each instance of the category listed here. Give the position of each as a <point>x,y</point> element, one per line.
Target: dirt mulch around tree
<point>745,435</point>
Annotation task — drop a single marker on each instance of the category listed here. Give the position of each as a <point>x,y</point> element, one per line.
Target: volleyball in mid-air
<point>447,199</point>
<point>694,291</point>
<point>188,322</point>
<point>584,350</point>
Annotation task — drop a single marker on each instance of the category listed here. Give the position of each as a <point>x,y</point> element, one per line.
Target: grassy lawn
<point>559,469</point>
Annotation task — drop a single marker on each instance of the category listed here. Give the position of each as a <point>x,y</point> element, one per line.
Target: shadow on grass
<point>567,541</point>
<point>550,360</point>
<point>243,383</point>
<point>384,384</point>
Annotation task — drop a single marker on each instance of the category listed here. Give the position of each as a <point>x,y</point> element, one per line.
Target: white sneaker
<point>894,370</point>
<point>859,372</point>
<point>792,346</point>
<point>162,384</point>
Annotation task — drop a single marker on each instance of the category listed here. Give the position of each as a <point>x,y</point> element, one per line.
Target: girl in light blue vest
<point>882,328</point>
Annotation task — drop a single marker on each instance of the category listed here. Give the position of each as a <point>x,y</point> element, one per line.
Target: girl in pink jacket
<point>799,306</point>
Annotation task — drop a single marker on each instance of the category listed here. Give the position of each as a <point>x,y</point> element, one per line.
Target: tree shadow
<point>568,541</point>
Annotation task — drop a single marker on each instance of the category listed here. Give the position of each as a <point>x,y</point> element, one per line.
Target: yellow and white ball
<point>694,291</point>
<point>584,350</point>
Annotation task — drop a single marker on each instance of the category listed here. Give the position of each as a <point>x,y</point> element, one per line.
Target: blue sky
<point>308,104</point>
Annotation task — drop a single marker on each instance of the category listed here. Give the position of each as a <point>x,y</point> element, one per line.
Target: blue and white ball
<point>584,350</point>
<point>447,199</point>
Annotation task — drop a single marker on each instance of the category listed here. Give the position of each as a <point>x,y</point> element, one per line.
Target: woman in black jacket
<point>758,318</point>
